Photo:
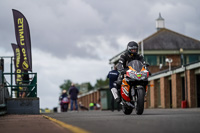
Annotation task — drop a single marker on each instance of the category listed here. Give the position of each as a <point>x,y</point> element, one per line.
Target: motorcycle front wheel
<point>127,110</point>
<point>139,108</point>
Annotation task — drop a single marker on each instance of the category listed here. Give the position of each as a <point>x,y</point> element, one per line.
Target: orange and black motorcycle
<point>133,88</point>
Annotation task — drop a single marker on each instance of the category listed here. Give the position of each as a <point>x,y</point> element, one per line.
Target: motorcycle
<point>64,104</point>
<point>134,88</point>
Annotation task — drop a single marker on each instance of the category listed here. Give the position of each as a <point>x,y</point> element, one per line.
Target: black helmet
<point>132,45</point>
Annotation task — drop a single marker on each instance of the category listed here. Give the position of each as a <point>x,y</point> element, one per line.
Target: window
<point>162,60</point>
<point>151,59</point>
<point>193,58</point>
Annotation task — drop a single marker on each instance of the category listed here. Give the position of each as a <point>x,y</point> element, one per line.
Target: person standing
<point>113,75</point>
<point>73,92</point>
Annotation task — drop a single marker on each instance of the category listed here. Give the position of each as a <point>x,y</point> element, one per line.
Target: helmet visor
<point>133,47</point>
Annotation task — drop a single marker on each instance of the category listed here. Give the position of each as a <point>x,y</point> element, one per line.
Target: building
<point>175,63</point>
<point>83,88</point>
<point>171,89</point>
<point>166,44</point>
<point>101,95</point>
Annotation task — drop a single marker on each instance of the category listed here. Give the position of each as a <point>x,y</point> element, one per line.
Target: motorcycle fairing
<point>125,89</point>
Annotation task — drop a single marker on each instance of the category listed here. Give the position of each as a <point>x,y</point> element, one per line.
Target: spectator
<point>97,106</point>
<point>73,92</point>
<point>91,105</point>
<point>113,75</point>
<point>82,107</point>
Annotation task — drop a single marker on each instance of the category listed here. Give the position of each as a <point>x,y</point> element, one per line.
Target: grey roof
<point>165,39</point>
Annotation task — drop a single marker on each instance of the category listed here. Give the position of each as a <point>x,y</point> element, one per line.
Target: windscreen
<point>136,64</point>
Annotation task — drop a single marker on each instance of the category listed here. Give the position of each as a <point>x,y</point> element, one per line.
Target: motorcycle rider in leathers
<point>130,54</point>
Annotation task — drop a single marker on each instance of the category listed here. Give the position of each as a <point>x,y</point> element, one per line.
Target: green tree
<point>101,83</point>
<point>66,85</point>
<point>90,87</point>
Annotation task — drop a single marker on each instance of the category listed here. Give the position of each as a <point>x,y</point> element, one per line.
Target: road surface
<point>152,120</point>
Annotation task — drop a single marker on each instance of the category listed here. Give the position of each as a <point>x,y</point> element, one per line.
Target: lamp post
<point>184,102</point>
<point>181,52</point>
<point>169,60</point>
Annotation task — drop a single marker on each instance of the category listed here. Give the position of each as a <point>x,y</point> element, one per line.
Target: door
<point>198,89</point>
<point>170,92</point>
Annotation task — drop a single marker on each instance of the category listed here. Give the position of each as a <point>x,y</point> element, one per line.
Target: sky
<point>74,39</point>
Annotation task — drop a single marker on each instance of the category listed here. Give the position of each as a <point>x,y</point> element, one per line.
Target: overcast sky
<point>74,39</point>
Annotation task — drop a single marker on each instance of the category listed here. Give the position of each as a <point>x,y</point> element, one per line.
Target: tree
<point>66,85</point>
<point>101,83</point>
<point>90,87</point>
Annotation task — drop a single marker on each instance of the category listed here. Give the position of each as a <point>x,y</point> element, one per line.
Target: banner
<point>23,39</point>
<point>18,64</point>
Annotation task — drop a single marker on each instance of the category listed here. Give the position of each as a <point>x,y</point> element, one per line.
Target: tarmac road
<point>152,121</point>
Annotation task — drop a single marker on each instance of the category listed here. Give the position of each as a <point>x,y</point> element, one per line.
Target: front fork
<point>133,93</point>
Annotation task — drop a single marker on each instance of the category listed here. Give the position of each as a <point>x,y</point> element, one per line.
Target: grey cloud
<point>59,27</point>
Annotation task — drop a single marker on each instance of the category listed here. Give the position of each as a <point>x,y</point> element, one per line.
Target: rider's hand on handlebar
<point>124,71</point>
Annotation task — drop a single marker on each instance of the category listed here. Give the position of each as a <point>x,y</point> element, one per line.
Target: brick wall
<point>176,90</point>
<point>147,98</point>
<point>154,69</point>
<point>153,94</point>
<point>164,92</point>
<point>92,97</point>
<point>176,60</point>
<point>191,89</point>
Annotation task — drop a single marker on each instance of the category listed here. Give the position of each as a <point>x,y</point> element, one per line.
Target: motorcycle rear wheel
<point>127,110</point>
<point>140,102</point>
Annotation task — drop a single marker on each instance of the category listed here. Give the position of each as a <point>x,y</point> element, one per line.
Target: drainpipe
<point>186,91</point>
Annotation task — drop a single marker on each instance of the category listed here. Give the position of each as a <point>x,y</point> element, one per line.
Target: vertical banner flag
<point>23,40</point>
<point>18,64</point>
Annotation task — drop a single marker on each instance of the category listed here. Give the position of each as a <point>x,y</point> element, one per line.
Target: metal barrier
<point>21,89</point>
<point>29,87</point>
<point>3,95</point>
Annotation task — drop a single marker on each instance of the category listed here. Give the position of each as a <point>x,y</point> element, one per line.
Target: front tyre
<point>127,110</point>
<point>139,108</point>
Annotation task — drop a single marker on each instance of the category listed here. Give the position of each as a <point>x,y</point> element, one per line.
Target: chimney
<point>160,23</point>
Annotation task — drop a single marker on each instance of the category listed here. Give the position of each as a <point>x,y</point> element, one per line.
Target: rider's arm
<point>141,58</point>
<point>121,64</point>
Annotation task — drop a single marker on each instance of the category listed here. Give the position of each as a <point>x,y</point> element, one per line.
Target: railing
<point>3,94</point>
<point>21,88</point>
<point>27,88</point>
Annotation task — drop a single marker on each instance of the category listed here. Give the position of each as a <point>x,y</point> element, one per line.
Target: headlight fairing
<point>138,76</point>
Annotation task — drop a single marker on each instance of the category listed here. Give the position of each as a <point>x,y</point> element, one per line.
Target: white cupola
<point>160,23</point>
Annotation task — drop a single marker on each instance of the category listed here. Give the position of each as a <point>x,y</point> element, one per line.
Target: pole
<point>11,77</point>
<point>186,90</point>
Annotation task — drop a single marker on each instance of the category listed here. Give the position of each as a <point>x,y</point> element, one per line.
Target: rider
<point>130,54</point>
